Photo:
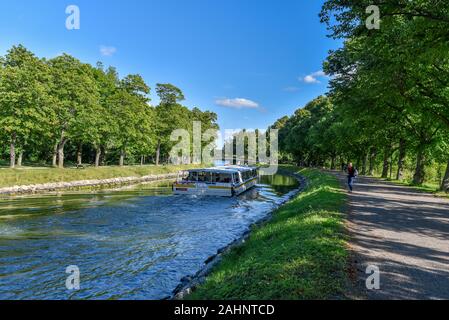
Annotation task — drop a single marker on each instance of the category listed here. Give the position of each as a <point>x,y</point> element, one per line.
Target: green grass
<point>426,187</point>
<point>300,254</point>
<point>28,175</point>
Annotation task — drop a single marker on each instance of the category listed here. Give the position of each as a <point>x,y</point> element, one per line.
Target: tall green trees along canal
<point>387,109</point>
<point>59,108</point>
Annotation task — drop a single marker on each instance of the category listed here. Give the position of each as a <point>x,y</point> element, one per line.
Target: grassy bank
<point>433,188</point>
<point>300,254</point>
<point>29,176</point>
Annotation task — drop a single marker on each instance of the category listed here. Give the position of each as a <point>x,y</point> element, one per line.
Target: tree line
<point>53,109</point>
<point>387,109</point>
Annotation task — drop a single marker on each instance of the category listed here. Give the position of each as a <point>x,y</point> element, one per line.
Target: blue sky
<point>250,61</point>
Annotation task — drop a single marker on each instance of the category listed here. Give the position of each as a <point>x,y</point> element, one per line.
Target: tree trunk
<point>364,165</point>
<point>402,154</point>
<point>61,154</point>
<point>372,160</point>
<point>333,161</point>
<point>55,155</point>
<point>12,151</point>
<point>20,159</point>
<point>158,152</point>
<point>391,167</point>
<point>141,160</point>
<point>342,163</point>
<point>122,158</point>
<point>418,177</point>
<point>79,155</point>
<point>97,156</point>
<point>386,164</point>
<point>445,184</point>
<point>103,151</point>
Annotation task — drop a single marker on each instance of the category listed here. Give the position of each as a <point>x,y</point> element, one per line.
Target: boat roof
<point>224,169</point>
<point>237,168</point>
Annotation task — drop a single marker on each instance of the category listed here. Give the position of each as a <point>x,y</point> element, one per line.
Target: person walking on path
<point>352,173</point>
<point>403,232</point>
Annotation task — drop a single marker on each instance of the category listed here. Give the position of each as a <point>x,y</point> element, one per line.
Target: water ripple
<point>128,244</point>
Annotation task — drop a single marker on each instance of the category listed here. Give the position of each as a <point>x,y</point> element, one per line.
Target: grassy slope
<point>300,254</point>
<point>27,176</point>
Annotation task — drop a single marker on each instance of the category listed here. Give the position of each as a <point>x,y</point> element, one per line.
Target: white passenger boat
<point>226,181</point>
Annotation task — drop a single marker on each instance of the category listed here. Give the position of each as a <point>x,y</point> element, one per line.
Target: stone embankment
<point>59,186</point>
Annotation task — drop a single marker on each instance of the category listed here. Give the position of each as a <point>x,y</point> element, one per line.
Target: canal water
<point>136,242</point>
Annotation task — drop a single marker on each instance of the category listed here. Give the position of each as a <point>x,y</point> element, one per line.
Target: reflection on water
<point>130,243</point>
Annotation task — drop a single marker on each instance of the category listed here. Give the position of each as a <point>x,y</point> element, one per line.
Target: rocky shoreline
<point>190,283</point>
<point>61,186</point>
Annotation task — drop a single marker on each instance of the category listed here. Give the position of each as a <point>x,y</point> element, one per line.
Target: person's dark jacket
<point>351,172</point>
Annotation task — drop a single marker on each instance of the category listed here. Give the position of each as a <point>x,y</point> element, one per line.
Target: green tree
<point>170,115</point>
<point>392,68</point>
<point>105,125</point>
<point>76,100</point>
<point>23,98</point>
<point>131,111</point>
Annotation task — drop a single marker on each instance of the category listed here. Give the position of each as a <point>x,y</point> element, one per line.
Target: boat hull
<point>245,186</point>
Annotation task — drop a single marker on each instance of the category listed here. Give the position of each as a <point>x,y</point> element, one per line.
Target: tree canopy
<point>388,100</point>
<point>62,108</point>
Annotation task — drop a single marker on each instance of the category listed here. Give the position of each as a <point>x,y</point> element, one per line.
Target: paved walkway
<point>406,234</point>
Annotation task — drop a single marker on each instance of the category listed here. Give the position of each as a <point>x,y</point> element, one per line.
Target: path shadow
<point>403,231</point>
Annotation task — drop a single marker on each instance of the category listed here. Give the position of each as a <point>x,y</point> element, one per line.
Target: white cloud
<point>310,79</point>
<point>107,51</point>
<point>313,77</point>
<point>237,103</point>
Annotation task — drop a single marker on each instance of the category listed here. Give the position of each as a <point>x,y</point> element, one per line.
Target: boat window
<point>214,177</point>
<point>193,176</point>
<point>237,178</point>
<point>224,178</point>
<point>201,177</point>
